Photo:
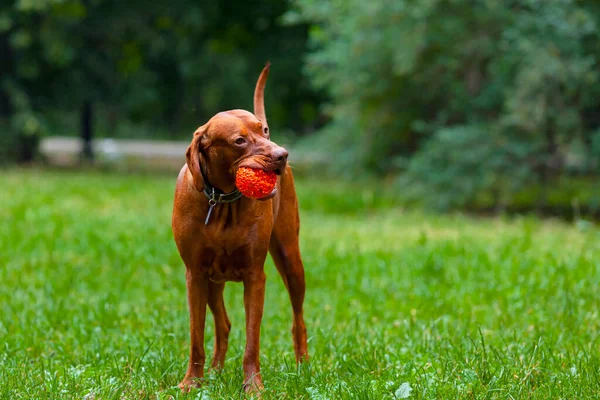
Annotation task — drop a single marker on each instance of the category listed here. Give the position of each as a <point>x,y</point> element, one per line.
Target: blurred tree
<point>471,98</point>
<point>206,57</point>
<point>166,66</point>
<point>20,120</point>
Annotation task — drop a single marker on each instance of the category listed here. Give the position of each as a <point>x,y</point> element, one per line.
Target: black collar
<point>216,196</point>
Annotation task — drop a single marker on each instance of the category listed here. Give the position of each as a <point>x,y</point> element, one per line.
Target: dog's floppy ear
<point>192,156</point>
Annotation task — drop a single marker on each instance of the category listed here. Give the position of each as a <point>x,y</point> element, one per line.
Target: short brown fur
<point>233,246</point>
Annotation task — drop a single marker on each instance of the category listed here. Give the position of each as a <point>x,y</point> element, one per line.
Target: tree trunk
<point>6,69</point>
<point>27,148</point>
<point>87,119</point>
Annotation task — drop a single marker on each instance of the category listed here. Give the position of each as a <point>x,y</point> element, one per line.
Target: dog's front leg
<point>254,299</point>
<point>197,291</point>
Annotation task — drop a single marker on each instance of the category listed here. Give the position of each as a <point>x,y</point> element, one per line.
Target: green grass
<point>92,299</point>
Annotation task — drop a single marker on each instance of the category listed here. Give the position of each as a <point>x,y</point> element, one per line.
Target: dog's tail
<point>259,96</point>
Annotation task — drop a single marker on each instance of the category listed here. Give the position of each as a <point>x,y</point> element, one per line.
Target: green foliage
<point>165,66</point>
<point>460,164</point>
<point>20,137</point>
<point>595,148</point>
<point>357,63</point>
<point>92,301</point>
<point>416,85</point>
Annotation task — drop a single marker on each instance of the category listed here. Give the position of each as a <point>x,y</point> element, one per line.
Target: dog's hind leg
<point>285,250</point>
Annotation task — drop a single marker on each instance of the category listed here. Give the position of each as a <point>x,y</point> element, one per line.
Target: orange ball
<point>255,183</point>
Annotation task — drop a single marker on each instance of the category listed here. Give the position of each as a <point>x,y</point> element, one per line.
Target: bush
<point>468,165</point>
<point>20,138</point>
<point>456,90</point>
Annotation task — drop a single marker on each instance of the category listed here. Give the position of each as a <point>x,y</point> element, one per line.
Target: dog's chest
<point>228,257</point>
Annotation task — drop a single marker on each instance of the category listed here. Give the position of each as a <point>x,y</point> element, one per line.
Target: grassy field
<point>92,299</point>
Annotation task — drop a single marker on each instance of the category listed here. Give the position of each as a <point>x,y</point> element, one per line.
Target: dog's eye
<point>240,141</point>
<point>266,130</point>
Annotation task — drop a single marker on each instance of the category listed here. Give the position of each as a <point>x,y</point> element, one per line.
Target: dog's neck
<point>215,194</point>
<point>217,178</point>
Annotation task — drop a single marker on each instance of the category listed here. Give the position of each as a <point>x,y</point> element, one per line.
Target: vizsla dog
<point>224,236</point>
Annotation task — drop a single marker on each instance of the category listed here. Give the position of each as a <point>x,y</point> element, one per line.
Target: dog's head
<point>233,139</point>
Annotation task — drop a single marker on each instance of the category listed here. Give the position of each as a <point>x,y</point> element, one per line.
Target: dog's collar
<point>216,196</point>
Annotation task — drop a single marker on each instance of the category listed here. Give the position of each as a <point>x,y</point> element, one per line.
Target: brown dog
<point>223,236</point>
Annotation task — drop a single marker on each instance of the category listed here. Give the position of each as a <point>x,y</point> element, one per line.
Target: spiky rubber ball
<point>255,183</point>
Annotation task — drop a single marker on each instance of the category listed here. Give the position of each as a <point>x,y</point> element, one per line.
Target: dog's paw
<point>254,387</point>
<point>189,383</point>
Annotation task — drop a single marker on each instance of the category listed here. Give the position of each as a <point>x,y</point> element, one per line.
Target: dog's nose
<point>280,155</point>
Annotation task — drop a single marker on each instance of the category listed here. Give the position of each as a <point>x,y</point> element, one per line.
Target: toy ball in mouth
<point>255,183</point>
